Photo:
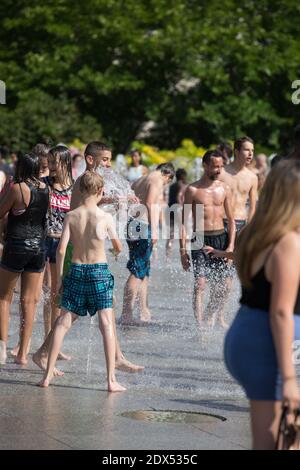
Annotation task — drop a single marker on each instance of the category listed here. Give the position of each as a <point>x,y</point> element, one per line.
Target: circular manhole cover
<point>181,417</point>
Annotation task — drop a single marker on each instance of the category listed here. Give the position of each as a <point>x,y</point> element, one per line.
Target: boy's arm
<point>112,233</point>
<point>61,251</point>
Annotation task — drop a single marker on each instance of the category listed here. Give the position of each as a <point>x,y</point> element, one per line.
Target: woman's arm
<point>283,272</point>
<point>7,201</point>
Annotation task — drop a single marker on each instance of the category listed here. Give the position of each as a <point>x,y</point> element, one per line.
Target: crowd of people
<point>245,218</point>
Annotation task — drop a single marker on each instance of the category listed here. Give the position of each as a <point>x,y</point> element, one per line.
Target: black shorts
<point>23,256</point>
<point>205,265</point>
<point>51,248</point>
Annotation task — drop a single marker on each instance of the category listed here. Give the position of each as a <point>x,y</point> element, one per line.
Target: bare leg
<point>265,419</point>
<point>40,357</point>
<point>30,294</point>
<point>107,330</point>
<point>8,281</point>
<point>130,293</point>
<point>121,362</point>
<point>217,299</point>
<point>169,243</point>
<point>15,350</point>
<point>61,327</point>
<point>199,287</point>
<point>145,312</point>
<point>47,300</point>
<point>55,310</point>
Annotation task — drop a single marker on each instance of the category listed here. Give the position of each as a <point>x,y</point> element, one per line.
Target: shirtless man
<point>142,235</point>
<point>214,196</point>
<point>88,287</point>
<point>242,182</point>
<point>97,155</point>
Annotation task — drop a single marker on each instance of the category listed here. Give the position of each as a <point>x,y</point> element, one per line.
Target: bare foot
<point>127,366</point>
<point>146,315</point>
<point>40,360</point>
<point>63,357</point>
<point>58,372</point>
<point>45,382</point>
<point>210,322</point>
<point>15,350</point>
<point>115,387</point>
<point>3,355</point>
<point>23,361</point>
<point>223,324</point>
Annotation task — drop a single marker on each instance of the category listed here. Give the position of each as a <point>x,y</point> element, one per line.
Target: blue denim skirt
<point>250,354</point>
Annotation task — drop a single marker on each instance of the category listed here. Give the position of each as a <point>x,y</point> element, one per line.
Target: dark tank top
<point>31,224</point>
<point>259,296</point>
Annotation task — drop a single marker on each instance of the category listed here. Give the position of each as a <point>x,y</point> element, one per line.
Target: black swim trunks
<point>205,265</point>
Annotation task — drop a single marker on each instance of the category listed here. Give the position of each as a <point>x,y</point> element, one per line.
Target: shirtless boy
<point>88,287</point>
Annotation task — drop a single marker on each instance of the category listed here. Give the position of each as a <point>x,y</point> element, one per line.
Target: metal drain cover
<point>181,417</point>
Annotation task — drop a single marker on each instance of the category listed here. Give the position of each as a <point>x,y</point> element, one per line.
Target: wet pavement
<point>184,372</point>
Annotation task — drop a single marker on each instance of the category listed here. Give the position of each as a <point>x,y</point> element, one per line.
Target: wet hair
<point>211,154</point>
<point>239,142</point>
<point>180,173</point>
<point>27,168</point>
<point>94,148</point>
<point>90,183</point>
<point>41,150</point>
<point>166,169</point>
<point>225,147</point>
<point>64,156</point>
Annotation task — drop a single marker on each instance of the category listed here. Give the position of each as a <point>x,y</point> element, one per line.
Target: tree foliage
<point>204,70</point>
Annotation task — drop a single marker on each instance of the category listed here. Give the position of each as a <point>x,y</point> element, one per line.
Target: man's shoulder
<point>250,174</point>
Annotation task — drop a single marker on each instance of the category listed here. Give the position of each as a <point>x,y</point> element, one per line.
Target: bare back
<point>149,190</point>
<point>89,227</point>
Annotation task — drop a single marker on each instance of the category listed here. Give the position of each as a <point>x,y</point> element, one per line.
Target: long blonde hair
<point>277,213</point>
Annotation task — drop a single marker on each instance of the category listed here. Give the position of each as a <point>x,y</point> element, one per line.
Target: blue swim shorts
<point>87,288</point>
<point>140,246</point>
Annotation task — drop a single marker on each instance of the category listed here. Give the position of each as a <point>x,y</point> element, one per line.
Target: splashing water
<point>115,185</point>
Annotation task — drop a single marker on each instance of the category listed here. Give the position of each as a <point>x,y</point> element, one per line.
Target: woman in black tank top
<point>24,250</point>
<point>259,345</point>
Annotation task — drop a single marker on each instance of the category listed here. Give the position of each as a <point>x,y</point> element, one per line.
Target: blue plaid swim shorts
<point>87,288</point>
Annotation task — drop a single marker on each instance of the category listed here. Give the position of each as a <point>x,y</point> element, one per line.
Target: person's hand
<point>209,250</point>
<point>291,394</point>
<point>185,260</point>
<point>133,198</point>
<point>229,260</point>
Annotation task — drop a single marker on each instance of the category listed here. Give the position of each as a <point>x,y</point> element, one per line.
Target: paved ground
<point>184,372</point>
